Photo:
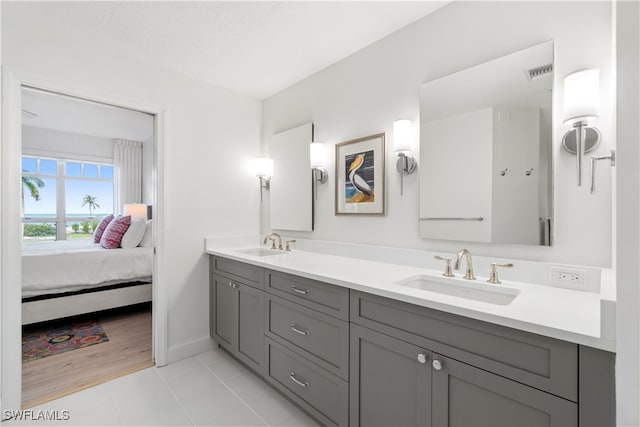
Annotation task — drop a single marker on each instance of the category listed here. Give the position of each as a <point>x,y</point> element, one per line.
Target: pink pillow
<point>97,233</point>
<point>112,235</point>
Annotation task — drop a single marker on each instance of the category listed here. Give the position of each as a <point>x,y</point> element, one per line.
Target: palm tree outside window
<point>90,201</point>
<point>33,184</point>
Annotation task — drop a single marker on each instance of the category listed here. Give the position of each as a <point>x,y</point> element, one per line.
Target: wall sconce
<point>316,157</point>
<point>402,142</point>
<point>263,167</point>
<point>581,105</point>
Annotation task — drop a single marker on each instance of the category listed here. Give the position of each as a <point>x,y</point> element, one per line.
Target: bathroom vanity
<point>349,355</point>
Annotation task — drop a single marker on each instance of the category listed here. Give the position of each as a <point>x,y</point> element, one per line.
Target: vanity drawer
<point>321,338</point>
<point>240,271</point>
<point>541,362</point>
<point>329,299</point>
<point>324,395</point>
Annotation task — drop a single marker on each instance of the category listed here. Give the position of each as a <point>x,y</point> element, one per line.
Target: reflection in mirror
<point>485,151</point>
<point>291,185</point>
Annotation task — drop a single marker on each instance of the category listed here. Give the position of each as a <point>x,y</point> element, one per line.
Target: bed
<point>66,278</point>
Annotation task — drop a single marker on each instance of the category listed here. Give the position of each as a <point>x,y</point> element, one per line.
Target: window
<point>64,199</point>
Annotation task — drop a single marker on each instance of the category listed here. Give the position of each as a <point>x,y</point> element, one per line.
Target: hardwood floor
<point>128,350</point>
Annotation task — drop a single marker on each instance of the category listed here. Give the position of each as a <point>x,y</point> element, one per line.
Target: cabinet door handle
<point>297,381</point>
<point>233,285</point>
<point>422,358</point>
<point>437,365</point>
<point>298,331</point>
<point>300,291</point>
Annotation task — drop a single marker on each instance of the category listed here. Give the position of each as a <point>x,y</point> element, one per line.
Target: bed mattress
<point>72,265</point>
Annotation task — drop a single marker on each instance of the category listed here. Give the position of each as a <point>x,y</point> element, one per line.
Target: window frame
<point>61,180</point>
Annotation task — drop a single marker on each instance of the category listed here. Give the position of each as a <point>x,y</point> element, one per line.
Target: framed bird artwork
<point>360,187</point>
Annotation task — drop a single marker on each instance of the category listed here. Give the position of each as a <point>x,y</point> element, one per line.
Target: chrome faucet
<point>271,237</point>
<point>467,255</point>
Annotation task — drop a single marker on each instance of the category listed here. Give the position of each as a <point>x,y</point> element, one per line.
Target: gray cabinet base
<point>320,393</point>
<point>597,387</point>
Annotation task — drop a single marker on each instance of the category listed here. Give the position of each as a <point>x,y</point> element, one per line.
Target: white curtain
<point>127,169</point>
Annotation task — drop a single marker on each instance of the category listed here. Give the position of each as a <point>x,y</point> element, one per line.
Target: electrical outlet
<point>565,277</point>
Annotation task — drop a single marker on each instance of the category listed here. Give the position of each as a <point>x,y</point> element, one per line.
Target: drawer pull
<point>422,358</point>
<point>437,365</point>
<point>298,331</point>
<point>300,291</point>
<point>297,381</point>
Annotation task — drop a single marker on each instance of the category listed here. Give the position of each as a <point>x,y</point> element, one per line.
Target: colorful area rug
<point>45,340</point>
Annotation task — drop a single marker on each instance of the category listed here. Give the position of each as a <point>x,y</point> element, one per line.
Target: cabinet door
<point>224,313</point>
<point>390,382</point>
<point>250,337</point>
<point>464,395</point>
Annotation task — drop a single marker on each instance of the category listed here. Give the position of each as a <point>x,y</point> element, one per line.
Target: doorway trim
<point>10,239</point>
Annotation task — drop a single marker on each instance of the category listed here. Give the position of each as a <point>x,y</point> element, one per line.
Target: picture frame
<point>360,176</point>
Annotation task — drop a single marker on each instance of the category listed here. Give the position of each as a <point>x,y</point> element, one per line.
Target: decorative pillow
<point>97,233</point>
<point>112,235</point>
<point>134,234</point>
<point>147,239</point>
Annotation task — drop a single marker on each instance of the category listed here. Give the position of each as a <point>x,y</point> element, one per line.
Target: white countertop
<point>574,316</point>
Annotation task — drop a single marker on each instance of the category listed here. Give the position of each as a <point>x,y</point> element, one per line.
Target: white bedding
<point>71,265</point>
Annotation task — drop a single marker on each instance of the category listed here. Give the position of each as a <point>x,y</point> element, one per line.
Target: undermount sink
<point>473,290</point>
<point>260,252</point>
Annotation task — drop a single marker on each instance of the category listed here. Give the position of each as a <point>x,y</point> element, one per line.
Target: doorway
<point>11,230</point>
<point>81,163</point>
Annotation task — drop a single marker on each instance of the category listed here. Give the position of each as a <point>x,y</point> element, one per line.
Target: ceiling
<point>74,115</point>
<point>254,48</point>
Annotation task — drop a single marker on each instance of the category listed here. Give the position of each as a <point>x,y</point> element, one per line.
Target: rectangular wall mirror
<point>291,199</point>
<point>486,151</point>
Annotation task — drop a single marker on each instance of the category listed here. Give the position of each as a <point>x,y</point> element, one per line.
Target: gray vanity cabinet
<point>222,317</point>
<point>390,382</point>
<point>396,383</point>
<point>463,395</point>
<point>237,312</point>
<point>250,306</point>
<point>351,358</point>
<point>307,344</point>
<point>423,367</point>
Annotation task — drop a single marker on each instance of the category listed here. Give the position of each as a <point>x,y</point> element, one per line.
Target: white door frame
<point>10,225</point>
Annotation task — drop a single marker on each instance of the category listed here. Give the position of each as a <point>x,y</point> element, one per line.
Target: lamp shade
<point>581,96</point>
<point>263,167</point>
<point>135,210</point>
<point>402,136</point>
<point>316,155</point>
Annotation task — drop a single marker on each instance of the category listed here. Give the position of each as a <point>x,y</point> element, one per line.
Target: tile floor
<point>209,389</point>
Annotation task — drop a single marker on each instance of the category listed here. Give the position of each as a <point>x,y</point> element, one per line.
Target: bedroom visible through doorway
<point>87,243</point>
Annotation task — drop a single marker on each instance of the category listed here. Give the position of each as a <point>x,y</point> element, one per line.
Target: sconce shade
<point>135,210</point>
<point>263,167</point>
<point>402,136</point>
<point>581,96</point>
<point>316,155</point>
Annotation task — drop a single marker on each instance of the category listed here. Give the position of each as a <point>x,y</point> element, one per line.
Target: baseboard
<point>189,349</point>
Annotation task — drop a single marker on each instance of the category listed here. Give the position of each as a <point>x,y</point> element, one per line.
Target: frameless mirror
<point>291,201</point>
<point>486,151</point>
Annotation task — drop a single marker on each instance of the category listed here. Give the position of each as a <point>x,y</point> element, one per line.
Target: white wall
<point>2,237</point>
<point>69,145</point>
<point>627,249</point>
<point>211,136</point>
<point>364,93</point>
